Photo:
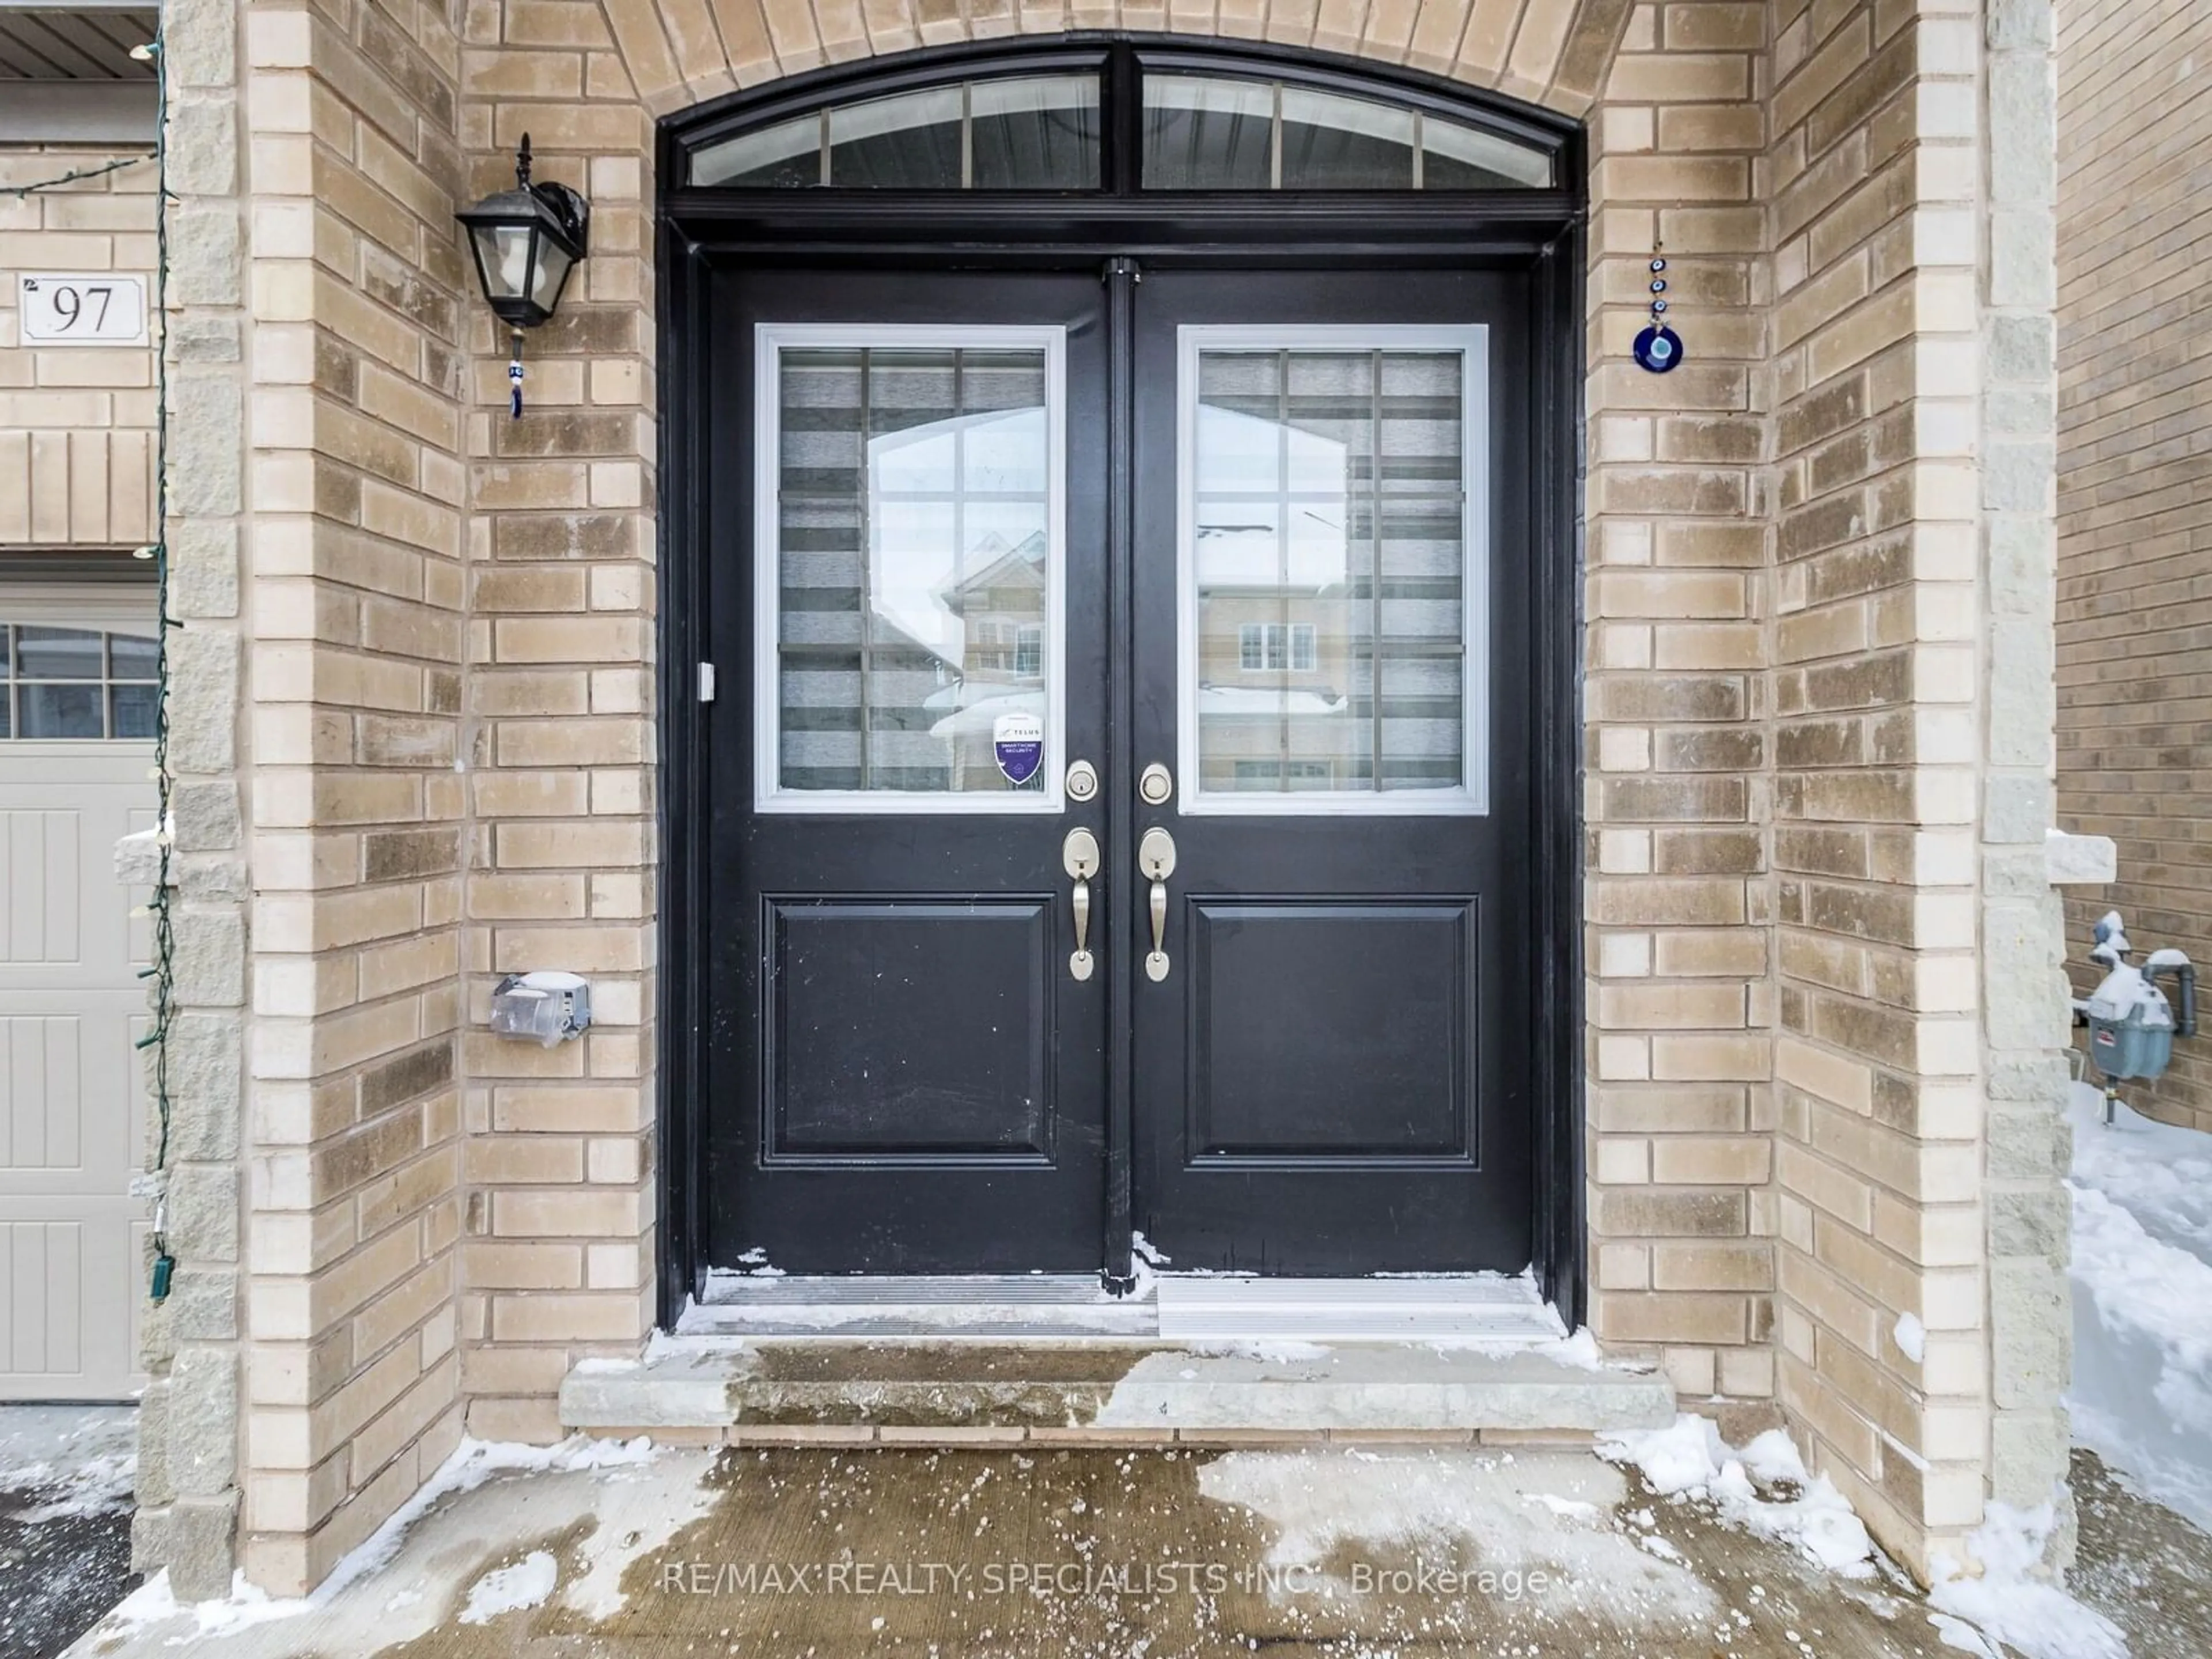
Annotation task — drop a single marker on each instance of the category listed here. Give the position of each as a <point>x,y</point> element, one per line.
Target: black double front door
<point>1179,609</point>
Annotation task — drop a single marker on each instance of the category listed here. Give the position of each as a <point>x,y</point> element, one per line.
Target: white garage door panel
<point>69,1087</point>
<point>68,1273</point>
<point>72,1240</point>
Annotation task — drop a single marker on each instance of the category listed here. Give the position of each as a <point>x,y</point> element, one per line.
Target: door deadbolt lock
<point>1156,784</point>
<point>1082,781</point>
<point>1155,861</point>
<point>1079,856</point>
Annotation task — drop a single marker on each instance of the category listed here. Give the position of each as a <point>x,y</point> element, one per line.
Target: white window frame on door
<point>771,340</point>
<point>1472,797</point>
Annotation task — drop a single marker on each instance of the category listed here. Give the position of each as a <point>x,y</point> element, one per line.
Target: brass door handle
<point>1079,855</point>
<point>1155,860</point>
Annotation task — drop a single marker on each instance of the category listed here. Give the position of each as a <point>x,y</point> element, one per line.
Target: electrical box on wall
<point>546,1007</point>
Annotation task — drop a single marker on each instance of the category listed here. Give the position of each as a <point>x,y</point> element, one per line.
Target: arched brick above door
<point>1551,52</point>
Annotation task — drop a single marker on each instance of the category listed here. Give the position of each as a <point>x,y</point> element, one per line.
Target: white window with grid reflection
<point>909,566</point>
<point>63,685</point>
<point>1333,568</point>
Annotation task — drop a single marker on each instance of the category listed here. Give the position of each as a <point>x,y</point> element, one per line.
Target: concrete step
<point>915,1391</point>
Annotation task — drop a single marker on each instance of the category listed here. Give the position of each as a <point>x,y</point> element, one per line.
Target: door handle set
<point>1078,855</point>
<point>1156,861</point>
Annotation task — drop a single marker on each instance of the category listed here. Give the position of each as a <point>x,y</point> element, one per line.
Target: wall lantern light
<point>525,241</point>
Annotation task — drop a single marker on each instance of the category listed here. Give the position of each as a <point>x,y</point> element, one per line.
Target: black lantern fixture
<point>525,241</point>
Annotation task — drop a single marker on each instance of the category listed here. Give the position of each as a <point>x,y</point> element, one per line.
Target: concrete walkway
<point>1341,1550</point>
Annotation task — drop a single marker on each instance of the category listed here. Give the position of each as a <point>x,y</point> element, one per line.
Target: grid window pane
<point>911,142</point>
<point>74,683</point>
<point>52,709</point>
<point>1216,132</point>
<point>58,653</point>
<point>1201,133</point>
<point>915,565</point>
<point>1039,133</point>
<point>1023,132</point>
<point>1331,142</point>
<point>131,658</point>
<point>131,710</point>
<point>1329,505</point>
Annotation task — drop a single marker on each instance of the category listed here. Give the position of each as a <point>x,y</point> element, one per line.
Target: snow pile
<point>510,1589</point>
<point>2009,1604</point>
<point>1911,1338</point>
<point>2161,1174</point>
<point>1690,1463</point>
<point>2141,1392</point>
<point>473,1462</point>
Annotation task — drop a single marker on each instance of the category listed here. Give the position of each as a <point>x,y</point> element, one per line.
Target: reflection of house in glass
<point>913,498</point>
<point>1327,498</point>
<point>1001,603</point>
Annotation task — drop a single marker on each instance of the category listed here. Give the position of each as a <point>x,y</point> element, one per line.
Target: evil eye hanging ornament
<point>1658,348</point>
<point>514,380</point>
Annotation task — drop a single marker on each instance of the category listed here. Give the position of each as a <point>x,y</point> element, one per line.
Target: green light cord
<point>21,192</point>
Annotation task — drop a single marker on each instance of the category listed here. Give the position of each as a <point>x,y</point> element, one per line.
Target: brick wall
<point>76,424</point>
<point>2134,515</point>
<point>358,746</point>
<point>1678,900</point>
<point>561,689</point>
<point>1888,637</point>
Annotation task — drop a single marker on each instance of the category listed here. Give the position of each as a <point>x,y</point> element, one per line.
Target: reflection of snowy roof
<point>1022,565</point>
<point>1252,700</point>
<point>976,718</point>
<point>1250,556</point>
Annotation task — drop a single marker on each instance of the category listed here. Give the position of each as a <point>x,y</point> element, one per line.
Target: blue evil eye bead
<point>1658,307</point>
<point>1659,285</point>
<point>1658,349</point>
<point>1658,265</point>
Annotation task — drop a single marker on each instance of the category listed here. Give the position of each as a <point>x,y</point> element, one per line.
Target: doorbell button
<point>1156,784</point>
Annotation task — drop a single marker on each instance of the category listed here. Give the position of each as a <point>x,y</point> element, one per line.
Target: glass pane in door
<point>913,509</point>
<point>1331,596</point>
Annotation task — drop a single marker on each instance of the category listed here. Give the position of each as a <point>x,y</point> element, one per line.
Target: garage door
<point>76,720</point>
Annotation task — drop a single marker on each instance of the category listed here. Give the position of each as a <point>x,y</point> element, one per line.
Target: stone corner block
<point>202,1454</point>
<point>2080,860</point>
<point>195,1538</point>
<point>138,859</point>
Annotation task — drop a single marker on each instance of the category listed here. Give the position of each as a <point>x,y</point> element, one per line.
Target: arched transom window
<point>1121,118</point>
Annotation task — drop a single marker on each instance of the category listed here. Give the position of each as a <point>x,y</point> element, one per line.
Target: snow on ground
<point>510,1589</point>
<point>2142,1395</point>
<point>1689,1462</point>
<point>594,1591</point>
<point>1763,1489</point>
<point>1320,1502</point>
<point>67,1460</point>
<point>2009,1604</point>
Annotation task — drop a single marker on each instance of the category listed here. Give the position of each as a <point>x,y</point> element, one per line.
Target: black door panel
<point>1295,1007</point>
<point>903,1078</point>
<point>1322,1081</point>
<point>902,1075</point>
